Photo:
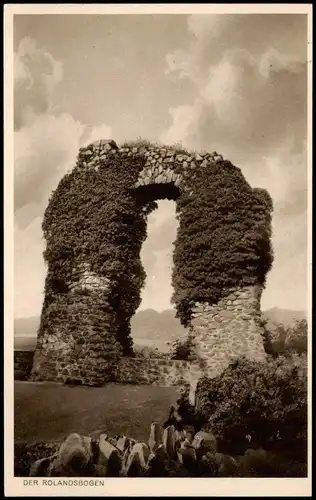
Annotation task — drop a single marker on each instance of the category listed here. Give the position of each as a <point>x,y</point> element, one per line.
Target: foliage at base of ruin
<point>258,404</point>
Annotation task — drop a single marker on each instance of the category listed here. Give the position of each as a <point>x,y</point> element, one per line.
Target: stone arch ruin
<point>94,226</point>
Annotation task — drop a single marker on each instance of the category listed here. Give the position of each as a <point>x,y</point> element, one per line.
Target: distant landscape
<point>149,327</point>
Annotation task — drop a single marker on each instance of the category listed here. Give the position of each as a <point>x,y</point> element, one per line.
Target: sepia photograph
<point>158,225</point>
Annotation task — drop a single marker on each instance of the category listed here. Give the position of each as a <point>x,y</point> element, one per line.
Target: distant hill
<point>154,325</point>
<point>24,343</point>
<point>148,323</point>
<point>149,327</point>
<point>285,316</point>
<point>25,332</point>
<point>26,327</point>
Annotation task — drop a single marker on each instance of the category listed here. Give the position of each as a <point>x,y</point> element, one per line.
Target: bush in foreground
<point>258,405</point>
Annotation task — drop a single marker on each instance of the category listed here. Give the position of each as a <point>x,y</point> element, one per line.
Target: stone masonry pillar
<point>74,347</point>
<point>225,331</point>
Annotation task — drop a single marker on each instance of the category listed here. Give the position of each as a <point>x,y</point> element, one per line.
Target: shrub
<point>262,463</point>
<point>296,339</point>
<point>149,352</point>
<point>182,348</point>
<point>284,340</point>
<point>190,415</point>
<point>259,405</point>
<point>26,454</point>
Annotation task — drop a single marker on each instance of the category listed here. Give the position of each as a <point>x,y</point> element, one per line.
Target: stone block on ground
<point>204,442</point>
<point>189,433</point>
<point>106,448</point>
<point>136,461</point>
<point>179,436</point>
<point>112,440</point>
<point>155,436</point>
<point>40,468</point>
<point>109,458</point>
<point>157,462</point>
<point>133,467</point>
<point>187,456</point>
<point>74,458</point>
<point>143,451</point>
<point>169,440</point>
<point>122,443</point>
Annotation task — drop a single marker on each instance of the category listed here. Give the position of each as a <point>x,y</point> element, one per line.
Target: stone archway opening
<point>156,192</point>
<point>155,324</point>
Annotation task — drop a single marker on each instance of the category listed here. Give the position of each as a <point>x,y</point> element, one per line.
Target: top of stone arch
<point>173,152</point>
<point>161,161</point>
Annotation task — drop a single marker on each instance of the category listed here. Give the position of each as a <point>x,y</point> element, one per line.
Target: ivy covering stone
<point>95,225</point>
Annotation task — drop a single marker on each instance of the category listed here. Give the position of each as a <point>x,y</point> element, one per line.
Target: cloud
<point>29,269</point>
<point>250,104</point>
<point>45,148</point>
<point>36,74</point>
<point>158,288</point>
<point>156,256</point>
<point>241,107</point>
<point>100,131</point>
<point>45,144</point>
<point>214,35</point>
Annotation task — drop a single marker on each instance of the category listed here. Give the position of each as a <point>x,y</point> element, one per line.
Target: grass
<point>49,412</point>
<point>139,142</point>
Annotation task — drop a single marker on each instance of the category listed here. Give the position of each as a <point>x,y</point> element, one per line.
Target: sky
<point>236,84</point>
